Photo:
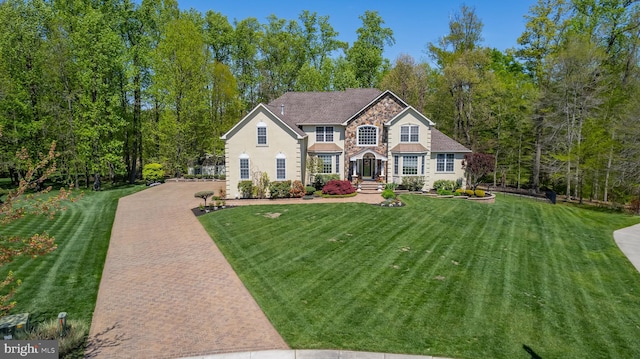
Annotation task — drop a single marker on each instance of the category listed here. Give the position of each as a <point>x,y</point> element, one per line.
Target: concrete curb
<point>312,354</point>
<point>628,240</point>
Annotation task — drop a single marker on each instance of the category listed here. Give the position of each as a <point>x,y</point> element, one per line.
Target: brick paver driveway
<point>166,290</point>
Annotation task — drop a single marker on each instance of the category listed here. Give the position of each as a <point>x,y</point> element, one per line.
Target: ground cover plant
<point>67,279</point>
<point>449,278</point>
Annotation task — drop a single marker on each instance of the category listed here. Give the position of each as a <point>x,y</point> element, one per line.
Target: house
<point>363,134</point>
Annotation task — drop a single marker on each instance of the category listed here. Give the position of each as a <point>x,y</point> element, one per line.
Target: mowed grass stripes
<point>439,277</point>
<point>67,279</point>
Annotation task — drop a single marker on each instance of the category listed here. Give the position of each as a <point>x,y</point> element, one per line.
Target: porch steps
<point>369,187</point>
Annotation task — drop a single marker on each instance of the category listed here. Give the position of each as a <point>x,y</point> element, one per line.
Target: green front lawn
<point>439,277</point>
<point>67,279</point>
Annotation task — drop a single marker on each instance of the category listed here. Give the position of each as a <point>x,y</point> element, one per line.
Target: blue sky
<point>414,23</point>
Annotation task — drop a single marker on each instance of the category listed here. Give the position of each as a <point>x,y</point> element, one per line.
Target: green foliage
<point>444,192</point>
<point>388,194</point>
<point>280,189</point>
<point>413,183</point>
<point>320,180</point>
<point>261,185</point>
<point>152,172</point>
<point>479,193</point>
<point>469,192</point>
<point>246,189</point>
<point>309,190</point>
<point>449,185</point>
<point>72,341</point>
<point>391,185</point>
<point>204,195</point>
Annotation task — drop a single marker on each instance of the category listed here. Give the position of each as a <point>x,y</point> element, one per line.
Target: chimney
<point>282,109</point>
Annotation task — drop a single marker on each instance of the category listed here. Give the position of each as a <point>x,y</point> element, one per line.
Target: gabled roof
<point>415,113</point>
<point>443,143</point>
<point>387,92</point>
<point>294,129</point>
<point>321,108</point>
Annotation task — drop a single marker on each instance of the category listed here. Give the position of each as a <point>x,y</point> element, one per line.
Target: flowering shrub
<point>338,187</point>
<point>297,189</point>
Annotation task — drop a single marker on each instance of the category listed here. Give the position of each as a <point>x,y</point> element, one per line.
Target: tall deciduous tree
<point>365,56</point>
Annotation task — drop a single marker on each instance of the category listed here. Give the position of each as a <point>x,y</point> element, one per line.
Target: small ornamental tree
<point>204,195</point>
<point>476,166</point>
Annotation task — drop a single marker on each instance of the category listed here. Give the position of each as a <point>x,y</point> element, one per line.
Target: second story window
<point>367,136</point>
<point>324,134</point>
<point>262,134</point>
<point>409,133</point>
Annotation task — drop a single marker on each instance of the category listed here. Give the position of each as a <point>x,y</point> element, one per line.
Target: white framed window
<point>262,134</point>
<point>326,163</point>
<point>444,162</point>
<point>409,133</point>
<point>396,164</point>
<point>337,163</point>
<point>424,160</point>
<point>367,136</point>
<point>281,167</point>
<point>244,167</point>
<point>409,165</point>
<point>324,134</point>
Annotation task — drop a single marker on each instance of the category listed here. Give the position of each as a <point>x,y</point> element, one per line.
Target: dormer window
<point>324,133</point>
<point>367,136</point>
<point>262,134</point>
<point>409,133</point>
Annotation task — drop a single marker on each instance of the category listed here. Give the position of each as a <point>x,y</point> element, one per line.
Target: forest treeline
<point>118,84</point>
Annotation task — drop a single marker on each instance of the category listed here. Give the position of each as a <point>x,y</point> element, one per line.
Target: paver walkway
<point>167,291</point>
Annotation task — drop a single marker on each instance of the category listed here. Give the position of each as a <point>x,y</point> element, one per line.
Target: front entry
<point>366,168</point>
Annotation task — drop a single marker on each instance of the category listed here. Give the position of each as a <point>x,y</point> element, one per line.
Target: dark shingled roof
<point>324,147</point>
<point>326,108</point>
<point>443,143</point>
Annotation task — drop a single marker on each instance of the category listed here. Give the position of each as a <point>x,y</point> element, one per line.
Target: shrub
<point>297,189</point>
<point>444,192</point>
<point>72,341</point>
<point>413,183</point>
<point>391,185</point>
<point>469,192</point>
<point>245,188</point>
<point>279,189</point>
<point>388,194</point>
<point>223,193</point>
<point>152,172</point>
<point>445,184</point>
<point>262,186</point>
<point>338,187</point>
<point>309,190</point>
<point>459,191</point>
<point>204,195</point>
<point>320,180</point>
<point>222,177</point>
<point>480,193</point>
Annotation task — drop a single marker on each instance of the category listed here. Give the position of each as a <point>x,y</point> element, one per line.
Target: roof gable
<point>413,111</point>
<point>295,131</point>
<point>375,100</point>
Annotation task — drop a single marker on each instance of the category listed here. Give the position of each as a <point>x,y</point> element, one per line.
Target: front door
<point>366,168</point>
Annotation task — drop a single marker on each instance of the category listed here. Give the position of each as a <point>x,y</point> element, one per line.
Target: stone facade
<point>376,115</point>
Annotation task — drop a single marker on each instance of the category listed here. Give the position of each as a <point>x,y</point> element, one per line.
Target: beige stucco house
<point>358,133</point>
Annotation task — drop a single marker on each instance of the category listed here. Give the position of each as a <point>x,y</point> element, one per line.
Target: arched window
<point>262,133</point>
<point>367,136</point>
